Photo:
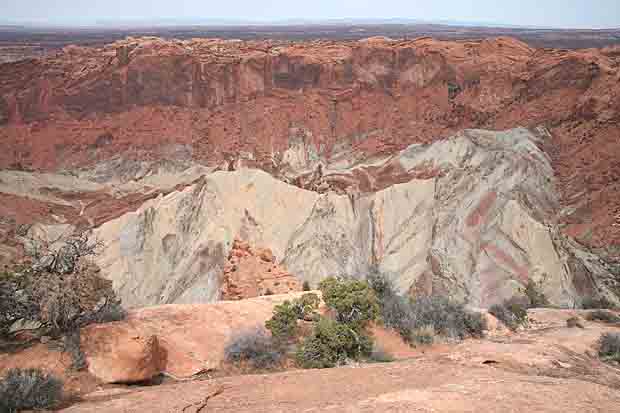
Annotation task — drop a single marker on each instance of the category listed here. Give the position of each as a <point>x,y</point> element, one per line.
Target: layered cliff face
<point>478,230</point>
<point>286,107</point>
<point>341,157</point>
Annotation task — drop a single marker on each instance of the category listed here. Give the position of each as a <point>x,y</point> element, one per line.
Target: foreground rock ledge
<point>177,340</point>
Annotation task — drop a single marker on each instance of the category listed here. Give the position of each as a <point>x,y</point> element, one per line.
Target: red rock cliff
<point>222,98</point>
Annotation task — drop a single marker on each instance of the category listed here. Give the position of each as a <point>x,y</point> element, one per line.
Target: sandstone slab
<point>116,353</point>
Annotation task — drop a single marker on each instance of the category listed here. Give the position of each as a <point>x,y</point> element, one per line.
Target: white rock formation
<point>478,230</point>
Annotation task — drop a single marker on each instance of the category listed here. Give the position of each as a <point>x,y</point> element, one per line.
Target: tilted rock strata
<point>285,107</point>
<point>478,231</point>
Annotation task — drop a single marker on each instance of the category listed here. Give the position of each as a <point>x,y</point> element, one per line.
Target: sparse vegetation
<point>511,312</point>
<point>605,316</point>
<point>343,335</point>
<point>449,319</point>
<point>353,301</point>
<point>421,319</point>
<point>331,344</point>
<point>609,347</point>
<point>58,289</point>
<point>306,306</point>
<point>255,348</point>
<point>597,303</point>
<point>73,348</point>
<point>283,323</point>
<point>29,389</point>
<point>334,341</point>
<point>537,299</point>
<point>423,335</point>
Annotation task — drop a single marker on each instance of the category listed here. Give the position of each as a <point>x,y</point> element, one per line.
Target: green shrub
<point>423,335</point>
<point>475,324</point>
<point>536,297</point>
<point>353,301</point>
<point>604,316</point>
<point>601,303</point>
<point>331,344</point>
<point>511,312</point>
<point>609,347</point>
<point>60,302</point>
<point>29,389</point>
<point>306,305</point>
<point>283,323</point>
<point>306,286</point>
<point>73,346</point>
<point>254,347</point>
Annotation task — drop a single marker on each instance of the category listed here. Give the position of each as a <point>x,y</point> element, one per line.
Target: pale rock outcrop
<point>478,228</point>
<point>174,248</point>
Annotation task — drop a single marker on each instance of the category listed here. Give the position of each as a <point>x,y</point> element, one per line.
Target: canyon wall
<point>341,157</point>
<point>286,107</point>
<point>478,231</point>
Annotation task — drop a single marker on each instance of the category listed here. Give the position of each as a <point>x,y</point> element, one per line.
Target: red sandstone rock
<point>370,97</point>
<point>252,273</point>
<point>116,353</point>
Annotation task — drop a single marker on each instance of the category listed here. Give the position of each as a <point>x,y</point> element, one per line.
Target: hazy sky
<point>555,13</point>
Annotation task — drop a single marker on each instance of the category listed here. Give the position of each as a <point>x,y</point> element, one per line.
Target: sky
<point>546,13</point>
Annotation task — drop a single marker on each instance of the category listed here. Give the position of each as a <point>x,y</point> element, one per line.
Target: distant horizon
<point>551,14</point>
<point>102,23</point>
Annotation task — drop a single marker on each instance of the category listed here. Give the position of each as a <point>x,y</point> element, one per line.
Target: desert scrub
<point>415,319</point>
<point>605,316</point>
<point>511,312</point>
<point>423,335</point>
<point>449,319</point>
<point>29,389</point>
<point>72,346</point>
<point>597,303</point>
<point>537,299</point>
<point>283,323</point>
<point>609,347</point>
<point>254,348</point>
<point>306,306</point>
<point>353,301</point>
<point>332,343</point>
<point>60,289</point>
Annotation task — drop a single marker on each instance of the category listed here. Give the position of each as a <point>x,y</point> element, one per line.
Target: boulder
<point>118,353</point>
